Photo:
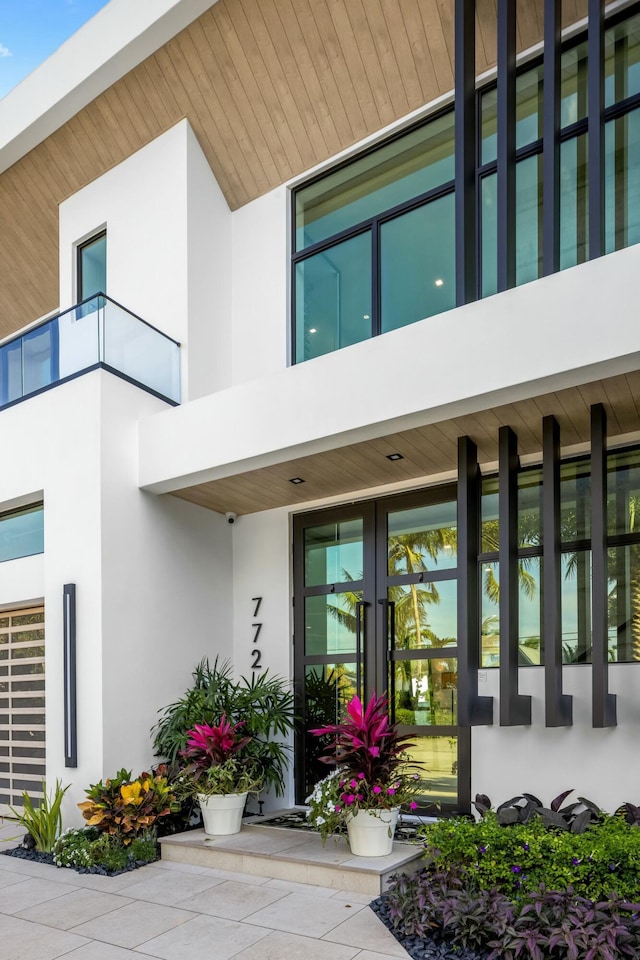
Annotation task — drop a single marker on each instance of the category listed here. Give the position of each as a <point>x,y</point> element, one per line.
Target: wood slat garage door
<point>22,703</point>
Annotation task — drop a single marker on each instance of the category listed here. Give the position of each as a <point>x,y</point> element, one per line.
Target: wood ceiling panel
<point>271,88</point>
<point>427,450</point>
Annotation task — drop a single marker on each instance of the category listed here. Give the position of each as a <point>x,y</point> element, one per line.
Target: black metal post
<point>515,708</point>
<point>465,151</point>
<point>551,138</point>
<point>506,144</point>
<point>595,82</point>
<point>558,705</point>
<point>70,702</point>
<point>473,710</point>
<point>603,703</point>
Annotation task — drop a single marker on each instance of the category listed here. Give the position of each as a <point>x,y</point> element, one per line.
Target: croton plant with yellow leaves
<point>127,808</point>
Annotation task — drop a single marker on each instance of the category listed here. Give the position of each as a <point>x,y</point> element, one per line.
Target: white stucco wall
<point>261,568</point>
<point>166,588</point>
<point>168,250</point>
<point>596,763</point>
<point>260,276</point>
<point>153,575</point>
<point>209,276</point>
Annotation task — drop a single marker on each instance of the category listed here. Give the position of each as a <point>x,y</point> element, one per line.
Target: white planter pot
<point>371,832</point>
<point>222,814</point>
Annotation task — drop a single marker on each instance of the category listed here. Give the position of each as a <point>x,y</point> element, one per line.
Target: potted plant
<point>371,782</point>
<point>220,773</point>
<point>264,703</point>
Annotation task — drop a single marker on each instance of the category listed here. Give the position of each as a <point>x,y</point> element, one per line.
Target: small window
<point>92,267</point>
<point>22,533</point>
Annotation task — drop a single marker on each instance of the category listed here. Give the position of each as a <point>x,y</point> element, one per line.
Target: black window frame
<point>372,225</point>
<point>79,250</point>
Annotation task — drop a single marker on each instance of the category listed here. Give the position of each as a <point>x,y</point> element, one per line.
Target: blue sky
<point>31,30</point>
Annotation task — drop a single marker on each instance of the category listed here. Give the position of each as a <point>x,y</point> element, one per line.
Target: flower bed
<point>525,883</point>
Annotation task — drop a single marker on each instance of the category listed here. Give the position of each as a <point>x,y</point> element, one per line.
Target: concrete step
<point>296,855</point>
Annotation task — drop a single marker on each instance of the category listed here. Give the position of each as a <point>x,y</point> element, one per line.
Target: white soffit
<point>113,42</point>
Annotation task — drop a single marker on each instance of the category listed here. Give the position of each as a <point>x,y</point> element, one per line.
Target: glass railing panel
<point>95,331</point>
<point>141,352</point>
<point>79,337</point>
<point>40,357</point>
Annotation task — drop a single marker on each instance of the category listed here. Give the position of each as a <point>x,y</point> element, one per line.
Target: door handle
<point>390,643</point>
<point>360,606</point>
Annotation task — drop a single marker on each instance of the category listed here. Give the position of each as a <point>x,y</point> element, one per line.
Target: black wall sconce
<point>69,639</point>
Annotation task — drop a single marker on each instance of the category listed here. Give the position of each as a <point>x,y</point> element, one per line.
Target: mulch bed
<point>24,853</point>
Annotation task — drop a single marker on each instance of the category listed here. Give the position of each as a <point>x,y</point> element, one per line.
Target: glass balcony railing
<point>95,333</point>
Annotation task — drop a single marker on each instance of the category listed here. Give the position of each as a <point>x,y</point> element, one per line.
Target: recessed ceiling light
<point>312,330</point>
<point>395,456</point>
<point>439,282</point>
<point>296,480</point>
<point>365,316</point>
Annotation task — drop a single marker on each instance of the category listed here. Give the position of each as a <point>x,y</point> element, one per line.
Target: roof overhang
<point>119,37</point>
<point>552,346</point>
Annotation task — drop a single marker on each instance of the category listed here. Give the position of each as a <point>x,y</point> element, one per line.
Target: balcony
<point>95,333</point>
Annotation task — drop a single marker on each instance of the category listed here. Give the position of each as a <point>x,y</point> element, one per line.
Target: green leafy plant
<point>87,849</point>
<point>126,808</point>
<point>601,861</point>
<point>264,704</point>
<point>43,822</point>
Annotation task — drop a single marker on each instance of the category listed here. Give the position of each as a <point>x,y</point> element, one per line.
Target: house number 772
<point>256,652</point>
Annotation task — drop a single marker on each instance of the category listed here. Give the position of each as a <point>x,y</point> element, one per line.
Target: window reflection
<point>333,298</point>
<point>422,538</point>
<point>436,760</point>
<point>330,623</point>
<point>425,692</point>
<point>333,552</point>
<point>22,533</point>
<point>399,171</point>
<point>417,273</point>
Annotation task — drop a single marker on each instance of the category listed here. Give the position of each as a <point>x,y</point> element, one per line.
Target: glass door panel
<point>333,552</point>
<point>425,615</point>
<point>375,608</point>
<point>425,692</point>
<point>331,624</point>
<point>328,687</point>
<point>438,761</point>
<point>422,538</point>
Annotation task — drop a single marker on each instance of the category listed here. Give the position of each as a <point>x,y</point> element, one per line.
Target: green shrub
<point>88,848</point>
<point>603,860</point>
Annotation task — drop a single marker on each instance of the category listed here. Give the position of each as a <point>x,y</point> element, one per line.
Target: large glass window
<point>92,267</point>
<point>333,298</point>
<point>22,533</point>
<point>623,522</point>
<point>374,240</point>
<point>417,275</point>
<point>381,180</point>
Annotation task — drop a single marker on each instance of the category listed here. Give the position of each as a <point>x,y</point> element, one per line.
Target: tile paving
<point>175,911</point>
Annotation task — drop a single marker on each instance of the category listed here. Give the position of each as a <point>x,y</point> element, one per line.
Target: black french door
<point>375,604</point>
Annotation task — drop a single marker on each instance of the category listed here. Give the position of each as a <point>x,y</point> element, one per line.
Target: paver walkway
<point>179,912</point>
